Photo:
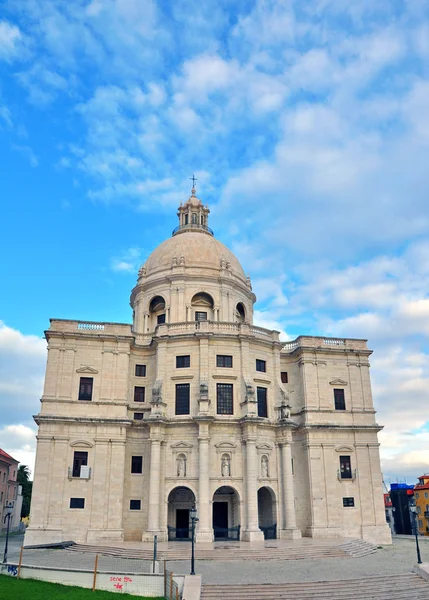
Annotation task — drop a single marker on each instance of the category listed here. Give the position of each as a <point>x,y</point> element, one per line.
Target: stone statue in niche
<point>181,466</point>
<point>226,466</point>
<point>264,466</point>
<point>284,410</point>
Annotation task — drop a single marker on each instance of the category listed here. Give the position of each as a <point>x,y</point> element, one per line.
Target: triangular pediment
<point>225,445</point>
<point>86,370</point>
<point>181,445</point>
<point>338,382</point>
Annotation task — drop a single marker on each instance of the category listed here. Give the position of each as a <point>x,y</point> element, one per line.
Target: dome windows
<point>203,307</point>
<point>157,311</point>
<point>240,313</point>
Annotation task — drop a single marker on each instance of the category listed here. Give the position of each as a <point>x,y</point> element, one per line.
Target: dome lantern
<point>193,215</point>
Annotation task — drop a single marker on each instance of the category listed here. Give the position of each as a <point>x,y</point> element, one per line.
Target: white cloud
<point>20,442</point>
<point>11,41</point>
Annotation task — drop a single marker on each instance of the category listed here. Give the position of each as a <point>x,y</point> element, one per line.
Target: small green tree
<point>23,479</point>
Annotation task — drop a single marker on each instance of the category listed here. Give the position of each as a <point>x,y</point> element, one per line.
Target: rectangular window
<point>140,370</point>
<point>182,398</point>
<point>77,502</point>
<point>200,316</point>
<point>160,319</point>
<point>284,377</point>
<point>139,393</point>
<point>340,403</point>
<point>138,416</point>
<point>261,365</point>
<point>225,401</point>
<point>135,504</point>
<point>261,394</point>
<point>80,459</point>
<point>137,464</point>
<point>182,362</point>
<point>224,360</point>
<point>348,501</point>
<point>345,467</point>
<point>85,388</point>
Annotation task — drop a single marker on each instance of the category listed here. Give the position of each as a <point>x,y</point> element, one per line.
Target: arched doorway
<point>226,514</point>
<point>267,512</point>
<point>180,501</point>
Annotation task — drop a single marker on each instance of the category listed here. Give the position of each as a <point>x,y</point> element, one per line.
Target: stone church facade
<point>192,404</point>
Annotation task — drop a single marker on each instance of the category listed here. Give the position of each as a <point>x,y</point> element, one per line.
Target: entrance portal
<point>267,513</point>
<point>180,501</point>
<point>226,514</point>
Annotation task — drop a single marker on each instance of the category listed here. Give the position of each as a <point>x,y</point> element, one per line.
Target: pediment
<point>181,445</point>
<point>264,447</point>
<point>225,445</point>
<point>338,382</point>
<point>81,444</point>
<point>86,370</point>
<point>344,449</point>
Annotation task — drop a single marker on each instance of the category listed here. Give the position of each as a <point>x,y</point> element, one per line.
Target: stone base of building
<point>104,535</point>
<point>149,535</point>
<point>206,535</point>
<point>35,536</point>
<point>379,534</point>
<point>250,535</point>
<point>290,534</point>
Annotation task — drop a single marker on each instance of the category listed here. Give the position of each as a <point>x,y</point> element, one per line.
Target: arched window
<point>194,219</point>
<point>240,312</point>
<point>186,219</point>
<point>157,311</point>
<point>203,305</point>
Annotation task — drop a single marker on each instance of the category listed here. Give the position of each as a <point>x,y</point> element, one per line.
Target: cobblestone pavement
<point>395,559</point>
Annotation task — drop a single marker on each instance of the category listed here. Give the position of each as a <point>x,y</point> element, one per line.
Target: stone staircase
<point>228,552</point>
<point>408,586</point>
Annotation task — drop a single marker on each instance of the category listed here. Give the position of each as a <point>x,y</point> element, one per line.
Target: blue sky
<point>307,126</point>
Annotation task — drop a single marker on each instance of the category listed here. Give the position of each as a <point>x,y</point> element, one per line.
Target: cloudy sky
<point>307,126</point>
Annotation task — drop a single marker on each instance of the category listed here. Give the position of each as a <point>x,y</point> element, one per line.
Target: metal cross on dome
<point>194,179</point>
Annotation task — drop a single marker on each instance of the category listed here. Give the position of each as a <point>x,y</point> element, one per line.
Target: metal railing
<point>192,227</point>
<point>347,475</point>
<point>179,534</point>
<point>83,474</point>
<point>227,533</point>
<point>269,531</point>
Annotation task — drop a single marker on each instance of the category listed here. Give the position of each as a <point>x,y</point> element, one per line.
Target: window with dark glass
<point>261,394</point>
<point>138,416</point>
<point>182,398</point>
<point>182,362</point>
<point>200,316</point>
<point>140,370</point>
<point>77,502</point>
<point>160,319</point>
<point>85,388</point>
<point>348,501</point>
<point>261,365</point>
<point>139,393</point>
<point>135,504</point>
<point>284,377</point>
<point>345,467</point>
<point>225,402</point>
<point>80,459</point>
<point>340,402</point>
<point>137,464</point>
<point>224,360</point>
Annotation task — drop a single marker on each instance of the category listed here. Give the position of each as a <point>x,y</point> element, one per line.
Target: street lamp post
<point>193,515</point>
<point>8,516</point>
<point>413,509</point>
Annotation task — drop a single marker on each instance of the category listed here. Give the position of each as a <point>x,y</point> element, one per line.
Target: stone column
<point>204,531</point>
<point>289,529</point>
<point>154,493</point>
<point>252,531</point>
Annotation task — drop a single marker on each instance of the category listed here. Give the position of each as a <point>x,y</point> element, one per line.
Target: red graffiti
<point>116,579</point>
<point>118,586</point>
<point>128,580</point>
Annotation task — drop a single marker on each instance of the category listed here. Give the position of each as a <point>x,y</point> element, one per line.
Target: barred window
<point>261,394</point>
<point>182,362</point>
<point>139,393</point>
<point>182,398</point>
<point>340,403</point>
<point>200,316</point>
<point>345,467</point>
<point>135,504</point>
<point>348,501</point>
<point>140,370</point>
<point>77,502</point>
<point>85,388</point>
<point>261,365</point>
<point>224,360</point>
<point>137,464</point>
<point>225,402</point>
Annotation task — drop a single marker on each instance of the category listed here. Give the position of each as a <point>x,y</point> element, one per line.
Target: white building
<point>192,403</point>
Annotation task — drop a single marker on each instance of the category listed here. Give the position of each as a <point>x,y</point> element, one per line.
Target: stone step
<point>396,587</point>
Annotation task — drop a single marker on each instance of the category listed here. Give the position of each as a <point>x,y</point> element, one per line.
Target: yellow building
<point>421,495</point>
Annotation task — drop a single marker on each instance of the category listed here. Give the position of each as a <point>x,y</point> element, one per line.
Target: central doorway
<point>180,501</point>
<point>226,514</point>
<point>182,523</point>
